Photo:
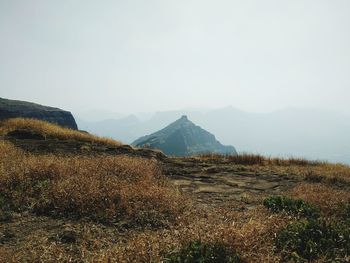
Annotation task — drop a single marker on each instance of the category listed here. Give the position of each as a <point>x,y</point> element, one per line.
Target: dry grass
<point>331,201</point>
<point>111,189</point>
<point>101,188</point>
<point>329,173</point>
<point>49,130</point>
<point>122,209</point>
<point>257,159</point>
<point>250,234</point>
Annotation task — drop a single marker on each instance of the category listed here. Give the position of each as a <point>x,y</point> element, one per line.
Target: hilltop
<point>16,108</point>
<point>184,138</point>
<point>40,137</point>
<point>74,197</point>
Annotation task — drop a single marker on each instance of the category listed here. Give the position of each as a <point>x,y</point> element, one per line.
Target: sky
<point>155,55</point>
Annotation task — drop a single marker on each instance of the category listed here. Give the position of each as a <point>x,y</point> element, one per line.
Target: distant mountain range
<point>314,134</point>
<point>183,138</point>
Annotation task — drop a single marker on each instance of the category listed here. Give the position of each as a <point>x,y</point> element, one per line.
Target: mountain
<point>309,133</point>
<point>183,138</point>
<point>15,108</point>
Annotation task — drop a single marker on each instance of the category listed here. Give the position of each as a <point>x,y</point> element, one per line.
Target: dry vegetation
<point>123,209</point>
<point>101,188</point>
<point>257,159</point>
<point>49,130</point>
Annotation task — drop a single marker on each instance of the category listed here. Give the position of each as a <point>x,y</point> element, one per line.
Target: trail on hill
<point>213,183</point>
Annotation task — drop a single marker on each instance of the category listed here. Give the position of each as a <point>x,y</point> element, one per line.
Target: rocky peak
<point>184,118</point>
<point>183,138</point>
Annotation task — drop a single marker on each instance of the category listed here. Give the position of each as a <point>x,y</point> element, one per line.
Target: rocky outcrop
<point>15,108</point>
<point>184,138</point>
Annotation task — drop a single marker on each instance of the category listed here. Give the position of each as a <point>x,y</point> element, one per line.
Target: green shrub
<point>290,206</point>
<point>312,239</point>
<point>198,252</point>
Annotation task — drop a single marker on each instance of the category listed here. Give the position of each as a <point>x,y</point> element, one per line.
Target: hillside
<point>87,201</point>
<point>41,137</point>
<point>184,138</point>
<point>15,108</point>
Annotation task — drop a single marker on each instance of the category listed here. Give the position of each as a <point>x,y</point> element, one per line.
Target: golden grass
<point>101,188</point>
<point>329,173</point>
<point>95,196</point>
<point>330,200</point>
<point>257,159</point>
<point>111,189</point>
<point>50,130</point>
<point>250,234</point>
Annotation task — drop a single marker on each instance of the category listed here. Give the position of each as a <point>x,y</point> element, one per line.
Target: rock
<point>184,138</point>
<point>15,108</point>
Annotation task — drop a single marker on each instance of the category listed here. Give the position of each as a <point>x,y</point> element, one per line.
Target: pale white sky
<point>147,55</point>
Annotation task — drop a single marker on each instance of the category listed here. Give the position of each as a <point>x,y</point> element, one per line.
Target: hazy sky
<point>146,55</point>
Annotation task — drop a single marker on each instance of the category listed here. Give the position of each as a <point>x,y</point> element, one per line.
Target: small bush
<point>312,239</point>
<point>290,206</point>
<point>198,252</point>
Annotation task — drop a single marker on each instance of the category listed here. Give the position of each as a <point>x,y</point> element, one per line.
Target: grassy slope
<point>123,209</point>
<point>51,131</point>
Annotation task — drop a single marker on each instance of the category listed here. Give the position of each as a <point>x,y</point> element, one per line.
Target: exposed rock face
<point>15,108</point>
<point>184,138</point>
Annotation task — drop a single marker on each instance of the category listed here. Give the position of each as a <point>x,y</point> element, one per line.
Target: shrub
<point>198,252</point>
<point>290,206</point>
<point>312,239</point>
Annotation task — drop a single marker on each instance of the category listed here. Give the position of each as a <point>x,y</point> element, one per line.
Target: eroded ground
<point>217,182</point>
